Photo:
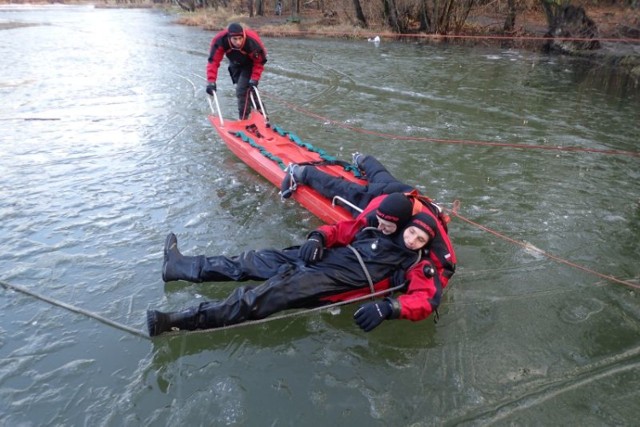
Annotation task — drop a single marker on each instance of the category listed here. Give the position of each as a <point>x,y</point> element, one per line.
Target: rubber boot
<point>293,175</point>
<point>356,159</point>
<point>177,266</point>
<point>159,322</point>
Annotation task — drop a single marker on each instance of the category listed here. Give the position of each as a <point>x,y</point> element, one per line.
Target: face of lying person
<point>415,238</point>
<point>386,227</point>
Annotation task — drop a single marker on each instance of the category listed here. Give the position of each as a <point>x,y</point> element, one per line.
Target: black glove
<point>312,250</point>
<point>211,87</point>
<point>370,315</point>
<point>253,83</point>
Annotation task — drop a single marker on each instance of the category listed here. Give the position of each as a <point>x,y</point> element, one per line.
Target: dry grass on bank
<point>612,22</point>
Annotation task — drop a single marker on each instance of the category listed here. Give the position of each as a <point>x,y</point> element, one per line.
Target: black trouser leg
<point>330,186</point>
<point>242,89</point>
<point>249,265</point>
<point>381,181</point>
<point>177,266</point>
<point>291,289</point>
<point>186,320</point>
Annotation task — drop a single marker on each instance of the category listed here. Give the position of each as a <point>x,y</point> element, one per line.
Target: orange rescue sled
<point>268,150</point>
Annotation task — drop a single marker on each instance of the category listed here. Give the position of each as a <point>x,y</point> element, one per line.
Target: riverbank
<point>618,28</point>
<point>613,22</point>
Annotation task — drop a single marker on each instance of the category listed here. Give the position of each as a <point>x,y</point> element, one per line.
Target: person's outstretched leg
<point>373,169</point>
<point>381,181</point>
<point>250,265</point>
<point>289,184</point>
<point>177,266</point>
<point>186,320</point>
<point>291,288</point>
<point>327,185</point>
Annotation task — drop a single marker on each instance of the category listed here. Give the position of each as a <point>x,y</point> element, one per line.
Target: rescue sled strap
<point>327,159</point>
<point>246,138</point>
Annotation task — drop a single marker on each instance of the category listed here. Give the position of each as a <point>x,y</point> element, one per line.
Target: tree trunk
<point>571,30</point>
<point>188,5</point>
<point>510,22</point>
<point>391,15</point>
<point>260,7</point>
<point>425,18</point>
<point>362,21</point>
<point>461,17</point>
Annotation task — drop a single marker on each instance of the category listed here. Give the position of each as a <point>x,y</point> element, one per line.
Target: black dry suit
<point>292,284</point>
<point>379,182</point>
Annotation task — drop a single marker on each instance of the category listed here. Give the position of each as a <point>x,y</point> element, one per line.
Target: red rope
<point>456,204</point>
<point>454,212</point>
<point>451,36</point>
<point>454,141</point>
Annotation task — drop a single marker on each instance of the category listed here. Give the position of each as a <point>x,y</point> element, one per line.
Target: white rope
<point>75,309</point>
<point>286,315</point>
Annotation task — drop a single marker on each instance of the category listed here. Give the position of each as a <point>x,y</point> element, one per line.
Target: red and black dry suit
<point>245,63</point>
<point>424,288</point>
<point>380,182</point>
<point>292,284</point>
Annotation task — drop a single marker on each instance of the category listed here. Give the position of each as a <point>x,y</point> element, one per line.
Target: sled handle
<point>346,202</point>
<point>255,95</point>
<point>213,111</point>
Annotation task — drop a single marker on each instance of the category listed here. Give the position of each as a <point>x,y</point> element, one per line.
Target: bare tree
<point>397,14</point>
<point>443,16</point>
<point>188,5</point>
<point>567,22</point>
<point>423,17</point>
<point>362,21</point>
<point>295,8</point>
<point>510,22</point>
<point>553,8</point>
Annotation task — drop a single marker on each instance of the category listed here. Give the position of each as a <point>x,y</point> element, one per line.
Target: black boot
<point>177,266</point>
<point>159,322</point>
<point>293,175</point>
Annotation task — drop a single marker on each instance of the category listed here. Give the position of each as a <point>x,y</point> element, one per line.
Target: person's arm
<point>421,299</point>
<point>442,255</point>
<point>341,233</point>
<point>424,291</point>
<point>259,58</point>
<point>216,54</point>
<point>257,54</point>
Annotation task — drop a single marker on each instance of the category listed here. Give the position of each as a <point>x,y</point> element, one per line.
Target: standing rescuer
<point>247,56</point>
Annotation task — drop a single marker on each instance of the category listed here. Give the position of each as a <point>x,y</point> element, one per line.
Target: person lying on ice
<point>336,260</point>
<point>380,182</point>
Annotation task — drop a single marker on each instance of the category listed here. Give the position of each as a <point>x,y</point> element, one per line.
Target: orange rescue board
<point>249,138</point>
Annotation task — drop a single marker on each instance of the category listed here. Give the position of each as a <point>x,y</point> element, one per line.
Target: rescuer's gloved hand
<point>313,249</point>
<point>211,87</point>
<point>370,315</point>
<point>253,83</point>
